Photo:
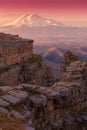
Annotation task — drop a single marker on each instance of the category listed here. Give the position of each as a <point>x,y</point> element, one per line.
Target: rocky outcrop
<point>63,106</point>
<point>18,64</point>
<point>13,52</point>
<point>14,49</point>
<point>35,71</point>
<point>69,57</point>
<point>60,107</point>
<point>77,71</point>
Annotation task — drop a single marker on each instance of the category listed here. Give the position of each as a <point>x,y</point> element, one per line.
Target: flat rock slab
<point>11,99</point>
<point>4,89</point>
<point>16,114</point>
<point>3,103</point>
<point>19,87</point>
<point>19,94</point>
<point>30,86</point>
<point>14,97</point>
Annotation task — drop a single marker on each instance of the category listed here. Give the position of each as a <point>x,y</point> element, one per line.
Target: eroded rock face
<point>76,71</point>
<point>13,51</point>
<point>18,64</point>
<point>35,71</point>
<point>69,58</point>
<point>64,105</point>
<point>60,107</point>
<point>10,76</point>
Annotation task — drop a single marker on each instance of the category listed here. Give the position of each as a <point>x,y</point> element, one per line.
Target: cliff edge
<point>63,106</point>
<point>18,64</point>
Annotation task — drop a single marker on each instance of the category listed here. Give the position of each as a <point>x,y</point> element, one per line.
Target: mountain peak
<point>35,15</point>
<point>53,49</point>
<point>30,16</point>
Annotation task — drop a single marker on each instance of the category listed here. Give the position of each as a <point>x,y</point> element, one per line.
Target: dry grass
<point>19,108</point>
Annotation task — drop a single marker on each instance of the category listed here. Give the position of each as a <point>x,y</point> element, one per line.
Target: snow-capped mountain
<point>34,21</point>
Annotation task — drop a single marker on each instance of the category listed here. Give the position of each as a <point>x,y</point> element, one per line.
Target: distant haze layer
<point>71,12</point>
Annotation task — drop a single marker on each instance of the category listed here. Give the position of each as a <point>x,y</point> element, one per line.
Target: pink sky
<point>69,11</point>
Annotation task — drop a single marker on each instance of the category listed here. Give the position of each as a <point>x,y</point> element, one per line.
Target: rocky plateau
<point>26,97</point>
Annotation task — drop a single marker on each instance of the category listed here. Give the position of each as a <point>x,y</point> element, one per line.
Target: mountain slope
<point>54,55</point>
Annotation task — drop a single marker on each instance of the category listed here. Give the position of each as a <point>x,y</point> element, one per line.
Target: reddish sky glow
<point>68,11</point>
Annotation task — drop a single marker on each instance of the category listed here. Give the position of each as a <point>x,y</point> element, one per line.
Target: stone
<point>22,95</point>
<point>14,51</point>
<point>69,58</point>
<point>30,123</point>
<point>18,87</point>
<point>38,101</point>
<point>16,114</point>
<point>10,76</point>
<point>4,110</point>
<point>20,49</point>
<point>11,99</point>
<point>61,106</point>
<point>4,89</point>
<point>3,103</point>
<point>26,113</point>
<point>30,86</point>
<point>64,101</point>
<point>35,71</point>
<point>19,65</point>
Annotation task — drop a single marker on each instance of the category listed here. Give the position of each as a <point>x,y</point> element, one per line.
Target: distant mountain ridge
<point>45,30</point>
<point>53,54</point>
<point>48,33</point>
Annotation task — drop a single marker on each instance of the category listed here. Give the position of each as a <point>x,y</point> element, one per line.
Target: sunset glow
<point>70,12</point>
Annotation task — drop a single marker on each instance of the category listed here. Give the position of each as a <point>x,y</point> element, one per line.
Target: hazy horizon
<point>69,12</point>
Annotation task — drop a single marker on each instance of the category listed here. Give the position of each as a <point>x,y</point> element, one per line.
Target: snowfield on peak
<point>34,21</point>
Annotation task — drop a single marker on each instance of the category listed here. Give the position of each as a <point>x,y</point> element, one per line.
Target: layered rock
<point>64,105</point>
<point>13,51</point>
<point>69,57</point>
<point>35,71</point>
<point>61,107</point>
<point>18,64</point>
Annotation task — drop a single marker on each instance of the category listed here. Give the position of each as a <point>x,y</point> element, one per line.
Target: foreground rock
<point>12,97</point>
<point>63,106</point>
<point>18,64</point>
<point>13,51</point>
